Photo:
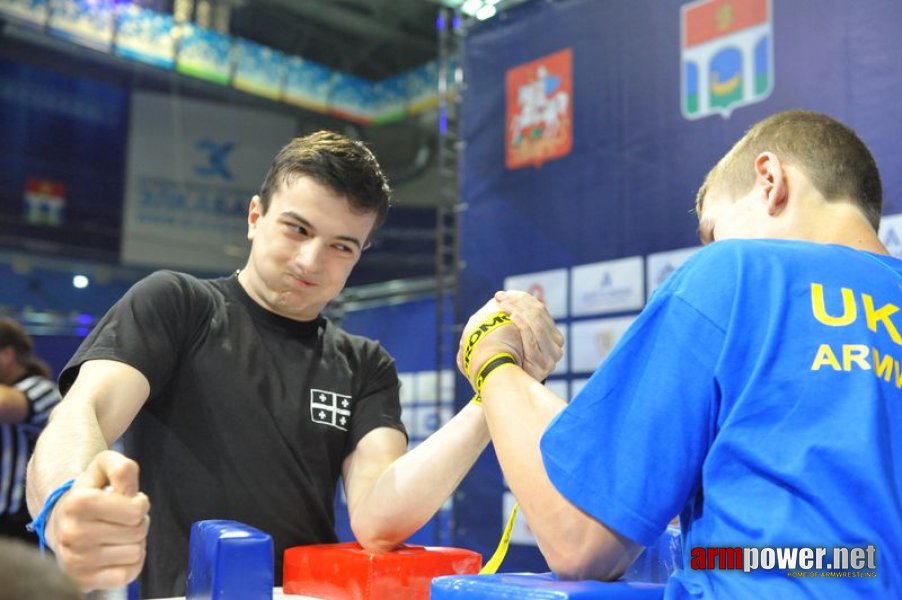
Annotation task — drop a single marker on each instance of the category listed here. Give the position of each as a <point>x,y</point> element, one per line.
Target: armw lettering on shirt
<point>866,357</point>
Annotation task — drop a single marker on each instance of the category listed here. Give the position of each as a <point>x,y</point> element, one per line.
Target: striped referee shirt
<point>19,439</point>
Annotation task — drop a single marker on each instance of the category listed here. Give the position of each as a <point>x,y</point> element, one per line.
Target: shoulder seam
<point>693,308</point>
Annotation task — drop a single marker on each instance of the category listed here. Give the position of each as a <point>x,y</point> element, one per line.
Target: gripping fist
<point>98,529</point>
<point>533,340</point>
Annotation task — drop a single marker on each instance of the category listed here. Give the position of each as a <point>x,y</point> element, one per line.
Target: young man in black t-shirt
<point>244,403</point>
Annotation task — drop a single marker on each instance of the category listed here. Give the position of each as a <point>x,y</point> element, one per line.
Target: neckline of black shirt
<point>260,314</point>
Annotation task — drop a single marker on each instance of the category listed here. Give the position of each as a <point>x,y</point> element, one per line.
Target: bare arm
<point>518,410</point>
<point>13,405</point>
<point>98,537</point>
<point>392,494</point>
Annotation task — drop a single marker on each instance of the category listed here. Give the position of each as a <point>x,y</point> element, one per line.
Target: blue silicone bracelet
<point>40,522</point>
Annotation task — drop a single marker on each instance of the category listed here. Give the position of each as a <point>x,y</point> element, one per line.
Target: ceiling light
<point>470,7</point>
<point>486,12</point>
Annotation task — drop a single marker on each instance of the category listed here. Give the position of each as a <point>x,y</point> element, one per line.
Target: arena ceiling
<point>374,39</point>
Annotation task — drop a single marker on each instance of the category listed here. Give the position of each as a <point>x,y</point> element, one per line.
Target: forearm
<point>96,411</point>
<point>69,442</point>
<point>416,485</point>
<point>518,410</point>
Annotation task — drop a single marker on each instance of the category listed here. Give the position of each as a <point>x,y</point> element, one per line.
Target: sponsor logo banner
<point>726,53</point>
<point>45,202</point>
<point>593,340</point>
<point>605,287</point>
<point>189,180</point>
<point>539,110</point>
<point>548,286</point>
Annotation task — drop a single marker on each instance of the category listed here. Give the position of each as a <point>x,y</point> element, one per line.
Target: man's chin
<point>298,306</point>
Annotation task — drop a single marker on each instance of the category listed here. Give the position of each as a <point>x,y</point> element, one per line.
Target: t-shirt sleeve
<point>629,449</point>
<point>379,404</point>
<point>145,329</point>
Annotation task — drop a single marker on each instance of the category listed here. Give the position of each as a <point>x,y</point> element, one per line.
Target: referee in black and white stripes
<point>27,395</point>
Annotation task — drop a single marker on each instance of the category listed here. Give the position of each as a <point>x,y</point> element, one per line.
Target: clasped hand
<point>532,337</point>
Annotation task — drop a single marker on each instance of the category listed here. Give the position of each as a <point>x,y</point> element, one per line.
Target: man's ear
<point>254,212</point>
<point>771,177</point>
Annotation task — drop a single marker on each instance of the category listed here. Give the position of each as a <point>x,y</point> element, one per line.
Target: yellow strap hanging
<point>491,567</point>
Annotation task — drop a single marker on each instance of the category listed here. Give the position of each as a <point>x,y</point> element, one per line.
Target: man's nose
<point>311,256</point>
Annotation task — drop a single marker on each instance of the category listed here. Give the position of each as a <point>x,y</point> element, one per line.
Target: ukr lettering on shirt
<point>883,319</point>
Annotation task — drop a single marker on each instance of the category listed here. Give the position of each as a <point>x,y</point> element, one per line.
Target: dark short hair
<point>345,166</point>
<point>13,335</point>
<point>830,154</point>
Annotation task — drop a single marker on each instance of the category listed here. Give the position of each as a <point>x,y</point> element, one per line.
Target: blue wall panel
<point>72,131</point>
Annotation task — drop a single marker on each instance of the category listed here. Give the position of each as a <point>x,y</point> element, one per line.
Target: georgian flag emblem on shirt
<point>329,408</point>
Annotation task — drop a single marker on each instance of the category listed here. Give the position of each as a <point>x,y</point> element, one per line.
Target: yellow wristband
<point>490,324</point>
<point>499,360</point>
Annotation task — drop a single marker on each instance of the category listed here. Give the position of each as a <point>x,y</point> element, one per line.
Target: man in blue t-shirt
<point>758,395</point>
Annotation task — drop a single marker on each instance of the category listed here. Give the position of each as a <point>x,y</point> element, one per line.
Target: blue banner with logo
<point>588,126</point>
<point>62,162</point>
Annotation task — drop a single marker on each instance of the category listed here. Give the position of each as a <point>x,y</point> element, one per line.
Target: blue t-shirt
<point>758,395</point>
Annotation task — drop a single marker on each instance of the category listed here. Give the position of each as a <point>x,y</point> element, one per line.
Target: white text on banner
<point>606,287</point>
<point>189,180</point>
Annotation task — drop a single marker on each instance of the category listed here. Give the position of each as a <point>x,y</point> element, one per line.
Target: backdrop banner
<point>193,167</point>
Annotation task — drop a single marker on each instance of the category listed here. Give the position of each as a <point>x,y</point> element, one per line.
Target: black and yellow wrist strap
<point>498,360</point>
<point>490,324</point>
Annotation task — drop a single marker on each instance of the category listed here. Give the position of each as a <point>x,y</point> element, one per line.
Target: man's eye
<point>299,229</point>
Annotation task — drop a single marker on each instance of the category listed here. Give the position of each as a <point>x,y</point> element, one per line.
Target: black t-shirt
<point>250,414</point>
